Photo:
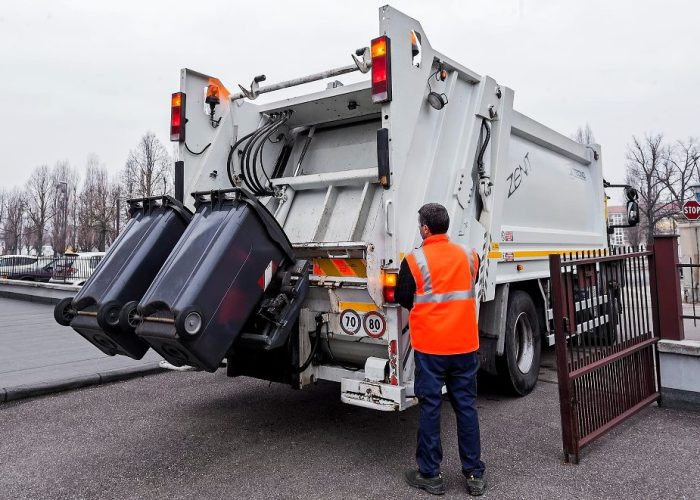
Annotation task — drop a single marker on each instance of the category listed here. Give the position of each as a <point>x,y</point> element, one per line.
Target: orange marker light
<point>390,279</point>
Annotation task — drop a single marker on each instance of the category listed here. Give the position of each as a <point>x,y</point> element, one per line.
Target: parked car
<point>43,271</point>
<point>75,268</point>
<point>17,266</point>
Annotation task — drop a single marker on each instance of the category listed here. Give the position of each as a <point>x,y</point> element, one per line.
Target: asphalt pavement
<point>202,435</point>
<point>37,355</point>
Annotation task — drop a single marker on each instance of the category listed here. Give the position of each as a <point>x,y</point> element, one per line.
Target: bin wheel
<point>129,317</point>
<point>64,313</point>
<point>519,366</point>
<point>189,323</point>
<point>108,314</point>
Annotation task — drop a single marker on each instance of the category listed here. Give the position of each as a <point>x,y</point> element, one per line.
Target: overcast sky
<point>80,77</point>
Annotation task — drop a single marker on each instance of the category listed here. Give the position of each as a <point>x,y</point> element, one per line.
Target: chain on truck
<point>284,258</point>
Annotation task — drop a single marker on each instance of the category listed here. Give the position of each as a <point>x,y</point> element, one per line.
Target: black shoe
<point>433,485</point>
<point>476,485</point>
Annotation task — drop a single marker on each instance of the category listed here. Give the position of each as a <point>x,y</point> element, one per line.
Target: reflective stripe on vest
<point>437,298</point>
<point>428,296</point>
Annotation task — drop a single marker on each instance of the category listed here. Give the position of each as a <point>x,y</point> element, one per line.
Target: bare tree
<point>3,211</point>
<point>647,160</point>
<point>97,207</point>
<point>147,171</point>
<point>39,205</point>
<point>13,223</point>
<point>680,171</point>
<point>584,135</point>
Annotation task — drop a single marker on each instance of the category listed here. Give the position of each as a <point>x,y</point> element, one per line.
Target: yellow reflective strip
<point>357,306</point>
<point>543,253</point>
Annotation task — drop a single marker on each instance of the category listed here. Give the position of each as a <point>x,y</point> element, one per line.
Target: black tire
<point>64,313</point>
<point>128,317</point>
<point>108,315</point>
<point>519,366</point>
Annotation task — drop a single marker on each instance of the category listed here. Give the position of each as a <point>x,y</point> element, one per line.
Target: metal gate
<point>606,330</point>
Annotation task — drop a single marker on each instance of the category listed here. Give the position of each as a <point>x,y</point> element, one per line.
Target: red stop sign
<point>691,210</point>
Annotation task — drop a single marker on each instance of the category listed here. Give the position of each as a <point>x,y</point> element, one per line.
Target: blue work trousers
<point>458,373</point>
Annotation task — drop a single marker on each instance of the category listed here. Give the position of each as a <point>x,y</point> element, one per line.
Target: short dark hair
<point>434,216</point>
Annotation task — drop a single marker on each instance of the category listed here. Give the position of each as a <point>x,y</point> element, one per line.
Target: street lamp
<point>64,186</point>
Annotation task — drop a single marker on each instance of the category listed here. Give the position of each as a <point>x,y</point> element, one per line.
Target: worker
<point>436,284</point>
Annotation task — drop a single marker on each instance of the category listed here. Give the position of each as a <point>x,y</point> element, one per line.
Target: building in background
<point>617,215</point>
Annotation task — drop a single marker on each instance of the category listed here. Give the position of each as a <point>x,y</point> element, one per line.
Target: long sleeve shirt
<point>405,286</point>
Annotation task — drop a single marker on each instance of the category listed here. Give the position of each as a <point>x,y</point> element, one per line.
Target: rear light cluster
<point>177,117</point>
<point>389,286</point>
<point>381,70</point>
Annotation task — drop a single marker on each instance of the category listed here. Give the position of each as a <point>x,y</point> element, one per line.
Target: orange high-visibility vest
<point>443,318</point>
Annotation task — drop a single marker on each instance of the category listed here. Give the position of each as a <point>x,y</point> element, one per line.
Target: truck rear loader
<point>299,211</point>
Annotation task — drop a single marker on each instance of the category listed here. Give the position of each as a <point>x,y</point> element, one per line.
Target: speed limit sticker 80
<point>375,324</point>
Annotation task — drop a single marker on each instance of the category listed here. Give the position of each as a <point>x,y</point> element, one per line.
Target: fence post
<point>559,306</point>
<point>668,287</point>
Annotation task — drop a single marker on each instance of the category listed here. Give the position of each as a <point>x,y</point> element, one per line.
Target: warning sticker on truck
<point>353,268</point>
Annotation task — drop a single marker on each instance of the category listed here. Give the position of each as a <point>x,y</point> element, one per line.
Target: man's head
<point>433,219</point>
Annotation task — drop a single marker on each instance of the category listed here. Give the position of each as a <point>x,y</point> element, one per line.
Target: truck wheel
<point>64,313</point>
<point>519,366</point>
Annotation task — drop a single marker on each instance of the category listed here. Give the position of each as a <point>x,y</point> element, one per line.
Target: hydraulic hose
<point>480,158</point>
<point>229,166</point>
<point>258,151</point>
<point>245,158</point>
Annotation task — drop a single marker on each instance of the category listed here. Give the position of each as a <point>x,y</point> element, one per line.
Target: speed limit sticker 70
<point>375,324</point>
<point>350,321</point>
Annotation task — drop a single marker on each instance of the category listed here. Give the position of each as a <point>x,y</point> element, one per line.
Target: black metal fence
<point>604,318</point>
<point>69,269</point>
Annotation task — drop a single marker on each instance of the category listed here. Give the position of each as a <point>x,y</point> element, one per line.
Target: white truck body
<point>538,192</point>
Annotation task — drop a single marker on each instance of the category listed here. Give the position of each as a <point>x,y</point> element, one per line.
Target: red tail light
<point>177,117</point>
<point>389,287</point>
<point>381,70</point>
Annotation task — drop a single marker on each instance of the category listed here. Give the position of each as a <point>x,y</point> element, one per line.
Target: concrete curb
<point>680,399</point>
<point>28,391</point>
<point>43,293</point>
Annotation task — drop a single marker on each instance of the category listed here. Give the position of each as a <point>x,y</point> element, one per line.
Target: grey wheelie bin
<point>216,278</point>
<point>104,310</point>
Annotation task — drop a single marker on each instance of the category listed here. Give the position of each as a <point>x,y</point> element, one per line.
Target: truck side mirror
<point>632,213</point>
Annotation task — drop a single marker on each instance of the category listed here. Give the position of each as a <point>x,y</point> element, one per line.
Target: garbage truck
<point>296,213</point>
